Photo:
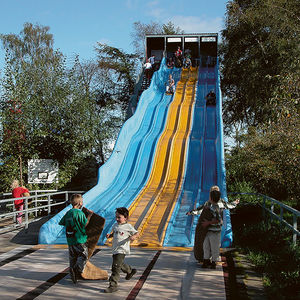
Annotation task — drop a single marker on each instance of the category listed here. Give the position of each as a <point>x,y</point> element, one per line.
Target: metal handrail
<point>37,201</point>
<point>295,213</point>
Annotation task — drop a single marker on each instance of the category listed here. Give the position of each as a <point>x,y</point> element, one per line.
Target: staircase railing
<point>38,204</point>
<point>279,211</point>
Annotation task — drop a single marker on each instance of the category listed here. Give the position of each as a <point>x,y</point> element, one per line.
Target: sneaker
<point>129,275</point>
<point>213,265</point>
<point>111,289</point>
<point>206,263</point>
<point>73,275</point>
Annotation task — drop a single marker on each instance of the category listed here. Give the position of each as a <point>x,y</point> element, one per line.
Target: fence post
<point>272,210</point>
<point>281,213</point>
<point>49,207</point>
<point>35,204</point>
<point>295,228</point>
<point>15,215</point>
<point>26,213</point>
<point>264,207</point>
<point>66,198</point>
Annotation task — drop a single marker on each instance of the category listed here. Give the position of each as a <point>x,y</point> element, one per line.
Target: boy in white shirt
<point>123,233</point>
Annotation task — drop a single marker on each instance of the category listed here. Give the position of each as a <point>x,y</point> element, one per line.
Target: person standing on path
<point>18,192</point>
<point>123,233</point>
<point>213,225</point>
<point>75,222</point>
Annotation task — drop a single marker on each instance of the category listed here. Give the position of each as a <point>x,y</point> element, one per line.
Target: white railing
<point>39,202</point>
<point>271,205</point>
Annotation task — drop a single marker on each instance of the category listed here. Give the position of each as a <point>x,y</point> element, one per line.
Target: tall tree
<point>260,79</point>
<point>103,92</point>
<point>140,31</point>
<point>260,40</point>
<point>45,111</point>
<point>118,71</point>
<point>170,28</point>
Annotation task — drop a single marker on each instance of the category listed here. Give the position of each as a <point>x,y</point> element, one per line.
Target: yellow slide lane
<point>151,210</point>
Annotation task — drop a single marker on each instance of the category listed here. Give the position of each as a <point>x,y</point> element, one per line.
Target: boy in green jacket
<point>75,222</point>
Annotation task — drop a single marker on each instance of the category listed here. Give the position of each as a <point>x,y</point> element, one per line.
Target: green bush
<point>268,246</point>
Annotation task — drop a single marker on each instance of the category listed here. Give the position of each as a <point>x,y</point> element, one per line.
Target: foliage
<point>108,107</point>
<point>243,187</point>
<point>50,111</point>
<point>261,40</point>
<point>170,28</point>
<point>118,71</point>
<point>269,158</point>
<point>260,79</point>
<point>44,110</point>
<point>140,31</point>
<point>268,246</point>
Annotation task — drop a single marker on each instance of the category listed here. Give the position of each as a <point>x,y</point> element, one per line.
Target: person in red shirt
<point>17,192</point>
<point>178,58</point>
<point>178,53</point>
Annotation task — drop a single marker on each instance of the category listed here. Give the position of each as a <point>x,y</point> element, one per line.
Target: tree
<point>140,31</point>
<point>269,157</point>
<point>170,28</point>
<point>260,41</point>
<point>260,80</point>
<point>100,88</point>
<point>118,71</point>
<point>56,118</point>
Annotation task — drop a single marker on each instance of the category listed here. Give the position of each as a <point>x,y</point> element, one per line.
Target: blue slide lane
<point>204,167</point>
<point>122,177</point>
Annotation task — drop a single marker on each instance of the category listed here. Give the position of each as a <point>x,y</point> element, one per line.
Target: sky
<point>77,25</point>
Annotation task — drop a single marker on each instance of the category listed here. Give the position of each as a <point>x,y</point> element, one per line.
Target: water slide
<point>166,157</point>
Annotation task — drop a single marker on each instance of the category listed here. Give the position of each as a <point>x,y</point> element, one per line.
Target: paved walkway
<point>43,274</point>
<point>31,271</point>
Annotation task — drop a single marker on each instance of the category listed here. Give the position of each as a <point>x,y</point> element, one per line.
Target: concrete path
<point>42,273</point>
<point>32,271</point>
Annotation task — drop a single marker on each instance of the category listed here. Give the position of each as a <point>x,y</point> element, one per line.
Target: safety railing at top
<point>39,203</point>
<point>205,61</point>
<point>280,211</point>
<point>135,96</point>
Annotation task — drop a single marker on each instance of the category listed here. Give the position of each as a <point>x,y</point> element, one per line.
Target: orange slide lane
<point>152,209</point>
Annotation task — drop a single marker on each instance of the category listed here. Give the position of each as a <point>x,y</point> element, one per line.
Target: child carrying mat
<point>200,233</point>
<point>93,231</point>
<point>209,227</point>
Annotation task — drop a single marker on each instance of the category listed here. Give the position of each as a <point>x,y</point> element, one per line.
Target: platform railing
<point>205,61</point>
<point>277,210</point>
<point>39,202</point>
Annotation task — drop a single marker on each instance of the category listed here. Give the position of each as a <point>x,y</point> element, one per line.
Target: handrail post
<point>295,228</point>
<point>49,207</point>
<point>272,210</point>
<point>264,207</point>
<point>35,204</point>
<point>66,198</point>
<point>26,213</point>
<point>281,213</point>
<point>15,215</point>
